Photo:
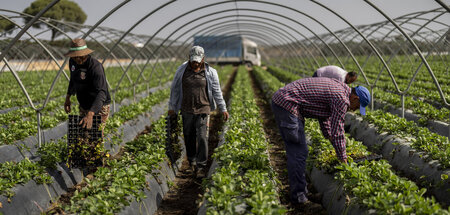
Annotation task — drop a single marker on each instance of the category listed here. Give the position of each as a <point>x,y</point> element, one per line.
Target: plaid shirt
<point>322,98</point>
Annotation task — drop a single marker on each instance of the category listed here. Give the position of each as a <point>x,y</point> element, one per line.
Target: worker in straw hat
<point>88,82</point>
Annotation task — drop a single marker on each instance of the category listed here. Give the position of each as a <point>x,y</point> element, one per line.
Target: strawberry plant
<point>422,139</point>
<point>113,186</point>
<point>13,173</point>
<point>372,184</point>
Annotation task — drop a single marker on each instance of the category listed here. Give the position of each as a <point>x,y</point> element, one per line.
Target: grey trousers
<point>195,131</point>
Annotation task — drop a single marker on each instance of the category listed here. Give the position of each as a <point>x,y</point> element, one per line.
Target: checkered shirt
<point>322,98</point>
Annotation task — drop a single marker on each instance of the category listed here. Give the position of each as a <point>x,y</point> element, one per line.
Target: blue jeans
<point>292,130</point>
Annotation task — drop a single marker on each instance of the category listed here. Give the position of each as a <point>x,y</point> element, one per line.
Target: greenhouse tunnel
<point>403,60</point>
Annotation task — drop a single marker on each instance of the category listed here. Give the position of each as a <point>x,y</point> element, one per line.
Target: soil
<point>277,155</point>
<point>185,196</point>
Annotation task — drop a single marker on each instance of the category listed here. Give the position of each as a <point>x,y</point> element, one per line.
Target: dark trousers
<point>195,131</point>
<point>292,130</point>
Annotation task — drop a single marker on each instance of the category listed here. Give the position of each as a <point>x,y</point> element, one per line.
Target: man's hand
<point>171,112</point>
<point>86,122</point>
<point>67,105</point>
<point>344,161</point>
<point>225,116</point>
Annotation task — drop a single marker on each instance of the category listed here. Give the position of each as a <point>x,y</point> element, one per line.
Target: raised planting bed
<point>28,147</point>
<point>241,179</point>
<point>129,121</point>
<point>134,183</point>
<point>404,155</point>
<point>368,187</point>
<point>439,127</point>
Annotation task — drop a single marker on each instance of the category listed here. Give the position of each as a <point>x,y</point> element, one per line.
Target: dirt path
<point>184,196</point>
<point>278,159</point>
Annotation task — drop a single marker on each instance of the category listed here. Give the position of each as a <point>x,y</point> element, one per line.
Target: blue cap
<point>364,98</point>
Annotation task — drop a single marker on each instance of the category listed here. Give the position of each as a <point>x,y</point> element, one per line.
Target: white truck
<point>229,50</point>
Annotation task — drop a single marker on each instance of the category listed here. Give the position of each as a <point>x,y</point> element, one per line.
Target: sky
<point>356,11</point>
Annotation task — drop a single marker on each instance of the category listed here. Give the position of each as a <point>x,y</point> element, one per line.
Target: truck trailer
<point>229,50</point>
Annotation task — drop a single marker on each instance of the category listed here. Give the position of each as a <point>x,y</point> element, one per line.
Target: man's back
<point>313,97</point>
<point>331,72</point>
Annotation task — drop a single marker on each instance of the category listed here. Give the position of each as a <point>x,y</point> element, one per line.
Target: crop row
<point>38,83</point>
<point>243,182</point>
<point>122,180</point>
<point>55,152</point>
<point>125,179</point>
<point>426,110</point>
<point>423,140</point>
<point>402,71</point>
<point>16,128</point>
<point>372,184</point>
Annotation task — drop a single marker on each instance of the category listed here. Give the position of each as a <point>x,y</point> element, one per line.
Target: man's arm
<point>337,133</point>
<point>217,94</point>
<point>175,90</point>
<point>325,128</point>
<point>217,91</point>
<point>100,87</point>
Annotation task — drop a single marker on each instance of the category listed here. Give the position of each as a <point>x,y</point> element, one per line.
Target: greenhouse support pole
<point>38,112</point>
<point>443,5</point>
<point>113,92</point>
<point>134,92</point>
<point>403,105</point>
<point>371,98</point>
<point>430,71</point>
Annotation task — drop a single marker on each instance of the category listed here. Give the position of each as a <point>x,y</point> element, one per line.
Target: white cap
<point>196,54</point>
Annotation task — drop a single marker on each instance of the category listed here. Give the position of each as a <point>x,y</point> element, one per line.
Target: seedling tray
<point>75,130</point>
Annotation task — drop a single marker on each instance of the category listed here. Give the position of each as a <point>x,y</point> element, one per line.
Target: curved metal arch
<point>17,52</point>
<point>218,25</point>
<point>252,35</point>
<point>320,23</point>
<point>414,33</point>
<point>104,18</point>
<point>189,30</point>
<point>25,28</point>
<point>401,45</point>
<point>376,51</point>
<point>266,30</point>
<point>79,28</point>
<point>371,46</point>
<point>265,18</point>
<point>416,48</point>
<point>137,23</point>
<point>443,5</point>
<point>423,26</point>
<point>269,24</point>
<point>273,14</point>
<point>45,22</point>
<point>415,14</point>
<point>17,77</point>
<point>197,9</point>
<point>292,42</point>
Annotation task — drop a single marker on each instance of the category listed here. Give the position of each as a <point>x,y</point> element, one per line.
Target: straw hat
<point>77,48</point>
